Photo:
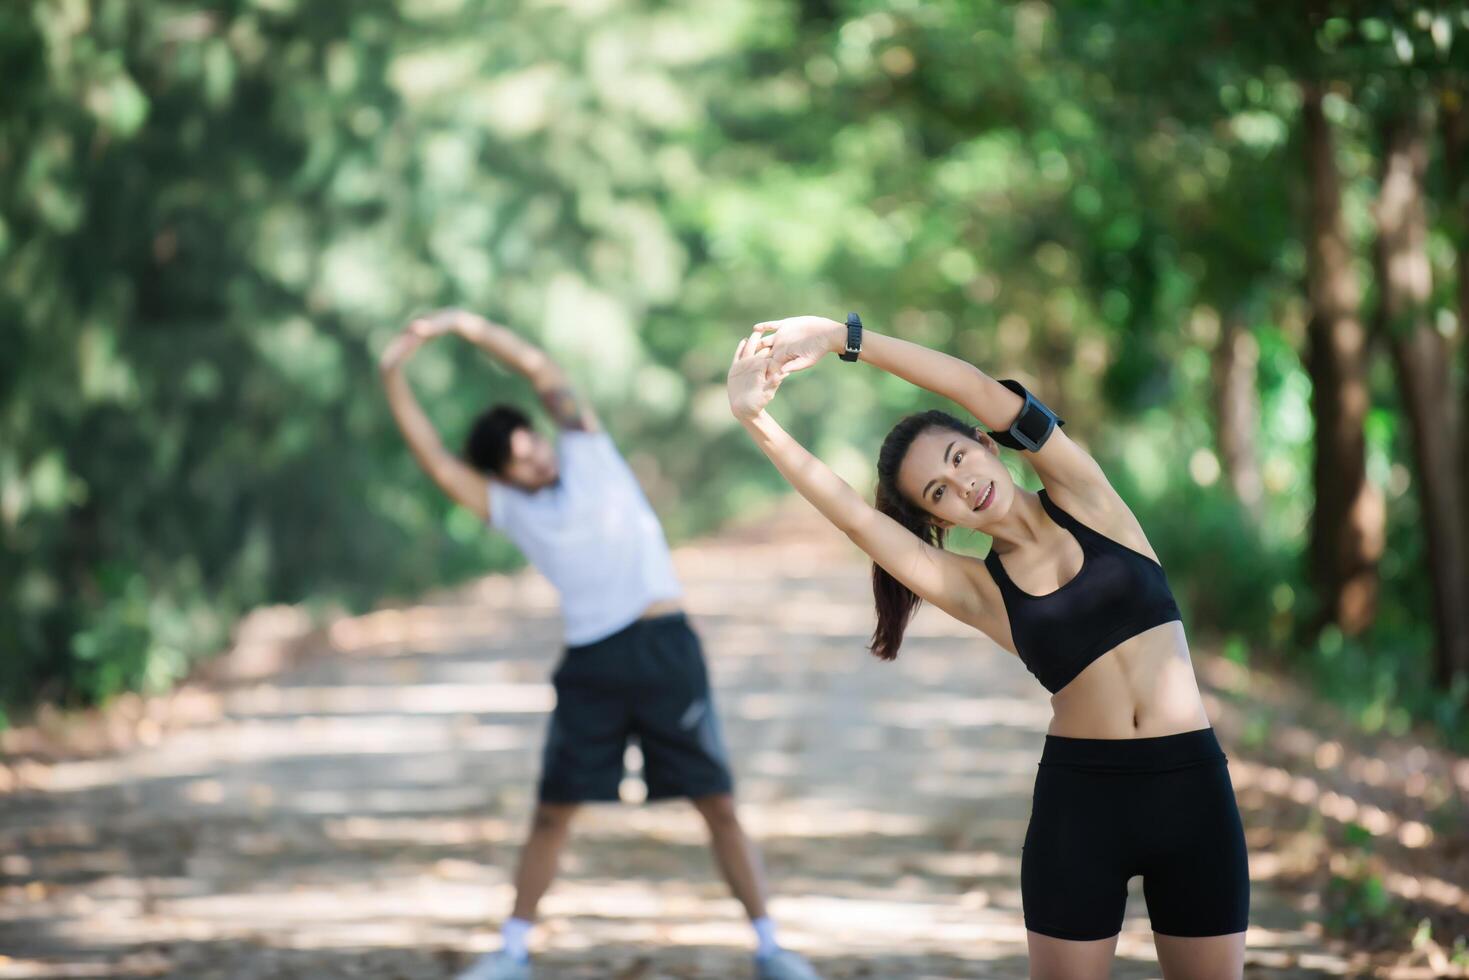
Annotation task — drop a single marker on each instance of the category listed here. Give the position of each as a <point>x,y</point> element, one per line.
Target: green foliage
<point>1356,900</point>
<point>1362,902</point>
<point>212,218</point>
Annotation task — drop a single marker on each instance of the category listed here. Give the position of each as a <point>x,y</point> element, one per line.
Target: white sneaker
<point>498,966</point>
<point>784,965</point>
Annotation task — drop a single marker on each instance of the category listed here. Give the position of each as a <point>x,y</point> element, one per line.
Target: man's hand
<point>399,349</point>
<point>422,328</point>
<point>440,322</point>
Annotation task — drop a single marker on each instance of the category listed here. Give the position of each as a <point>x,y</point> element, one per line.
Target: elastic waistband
<point>632,629</point>
<point>1199,747</point>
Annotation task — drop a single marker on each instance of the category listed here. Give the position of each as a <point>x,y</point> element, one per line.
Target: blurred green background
<point>1224,239</point>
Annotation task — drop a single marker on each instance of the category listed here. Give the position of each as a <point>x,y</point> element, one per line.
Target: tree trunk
<point>1347,525</point>
<point>1421,356</point>
<point>1456,157</point>
<point>1237,410</point>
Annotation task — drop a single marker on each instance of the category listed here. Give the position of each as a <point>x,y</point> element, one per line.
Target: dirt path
<point>357,814</point>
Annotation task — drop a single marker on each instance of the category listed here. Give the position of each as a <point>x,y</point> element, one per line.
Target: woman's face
<point>958,479</point>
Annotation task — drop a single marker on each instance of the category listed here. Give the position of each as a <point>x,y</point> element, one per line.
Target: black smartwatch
<point>854,337</point>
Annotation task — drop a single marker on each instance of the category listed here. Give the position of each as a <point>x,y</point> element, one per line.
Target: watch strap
<point>854,337</point>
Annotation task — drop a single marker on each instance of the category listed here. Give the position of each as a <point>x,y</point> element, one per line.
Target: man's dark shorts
<point>648,682</point>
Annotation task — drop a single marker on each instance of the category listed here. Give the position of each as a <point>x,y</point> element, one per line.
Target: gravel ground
<point>355,810</point>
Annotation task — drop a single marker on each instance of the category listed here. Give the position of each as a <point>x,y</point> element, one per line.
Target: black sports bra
<point>1117,594</point>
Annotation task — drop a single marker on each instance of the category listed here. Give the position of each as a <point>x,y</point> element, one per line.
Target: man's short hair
<point>488,447</point>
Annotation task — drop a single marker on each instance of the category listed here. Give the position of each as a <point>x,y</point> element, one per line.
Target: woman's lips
<point>987,497</point>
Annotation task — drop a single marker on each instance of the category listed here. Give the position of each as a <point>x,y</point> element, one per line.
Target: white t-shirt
<point>593,535</point>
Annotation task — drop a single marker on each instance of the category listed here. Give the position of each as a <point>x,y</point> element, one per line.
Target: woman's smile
<point>985,497</point>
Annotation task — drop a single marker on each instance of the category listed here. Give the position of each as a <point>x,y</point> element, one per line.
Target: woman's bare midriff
<point>663,607</point>
<point>1142,688</point>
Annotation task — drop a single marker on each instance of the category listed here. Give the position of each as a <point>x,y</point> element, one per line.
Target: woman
<point>1132,780</point>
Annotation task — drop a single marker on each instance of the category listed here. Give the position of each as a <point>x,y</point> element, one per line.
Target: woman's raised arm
<point>798,342</point>
<point>951,582</point>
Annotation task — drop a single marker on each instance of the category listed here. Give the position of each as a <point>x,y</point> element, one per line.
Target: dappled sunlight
<point>370,803</point>
<point>417,699</point>
<point>815,818</point>
<point>430,831</point>
<point>1330,804</point>
<point>1371,827</point>
<point>421,629</point>
<point>134,965</point>
<point>331,904</point>
<point>1228,242</point>
<point>1319,964</point>
<point>931,710</point>
<point>1421,887</point>
<point>876,924</point>
<point>253,742</point>
<point>384,801</point>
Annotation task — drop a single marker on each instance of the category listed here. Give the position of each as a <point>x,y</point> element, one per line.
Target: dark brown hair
<point>487,448</point>
<point>896,603</point>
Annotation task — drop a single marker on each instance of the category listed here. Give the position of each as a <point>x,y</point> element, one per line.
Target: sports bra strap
<point>1082,532</point>
<point>1087,536</point>
<point>1078,530</point>
<point>998,573</point>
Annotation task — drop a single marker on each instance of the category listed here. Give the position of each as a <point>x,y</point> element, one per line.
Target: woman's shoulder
<point>1100,508</point>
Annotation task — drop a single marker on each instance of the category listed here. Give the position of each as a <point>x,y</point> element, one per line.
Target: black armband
<point>1032,427</point>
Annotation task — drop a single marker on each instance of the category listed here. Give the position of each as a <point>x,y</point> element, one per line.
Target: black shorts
<point>647,682</point>
<point>1108,809</point>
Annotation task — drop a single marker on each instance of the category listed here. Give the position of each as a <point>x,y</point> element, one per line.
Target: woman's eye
<point>938,493</point>
<point>958,456</point>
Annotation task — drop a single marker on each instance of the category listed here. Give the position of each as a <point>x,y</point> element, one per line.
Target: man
<point>633,667</point>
